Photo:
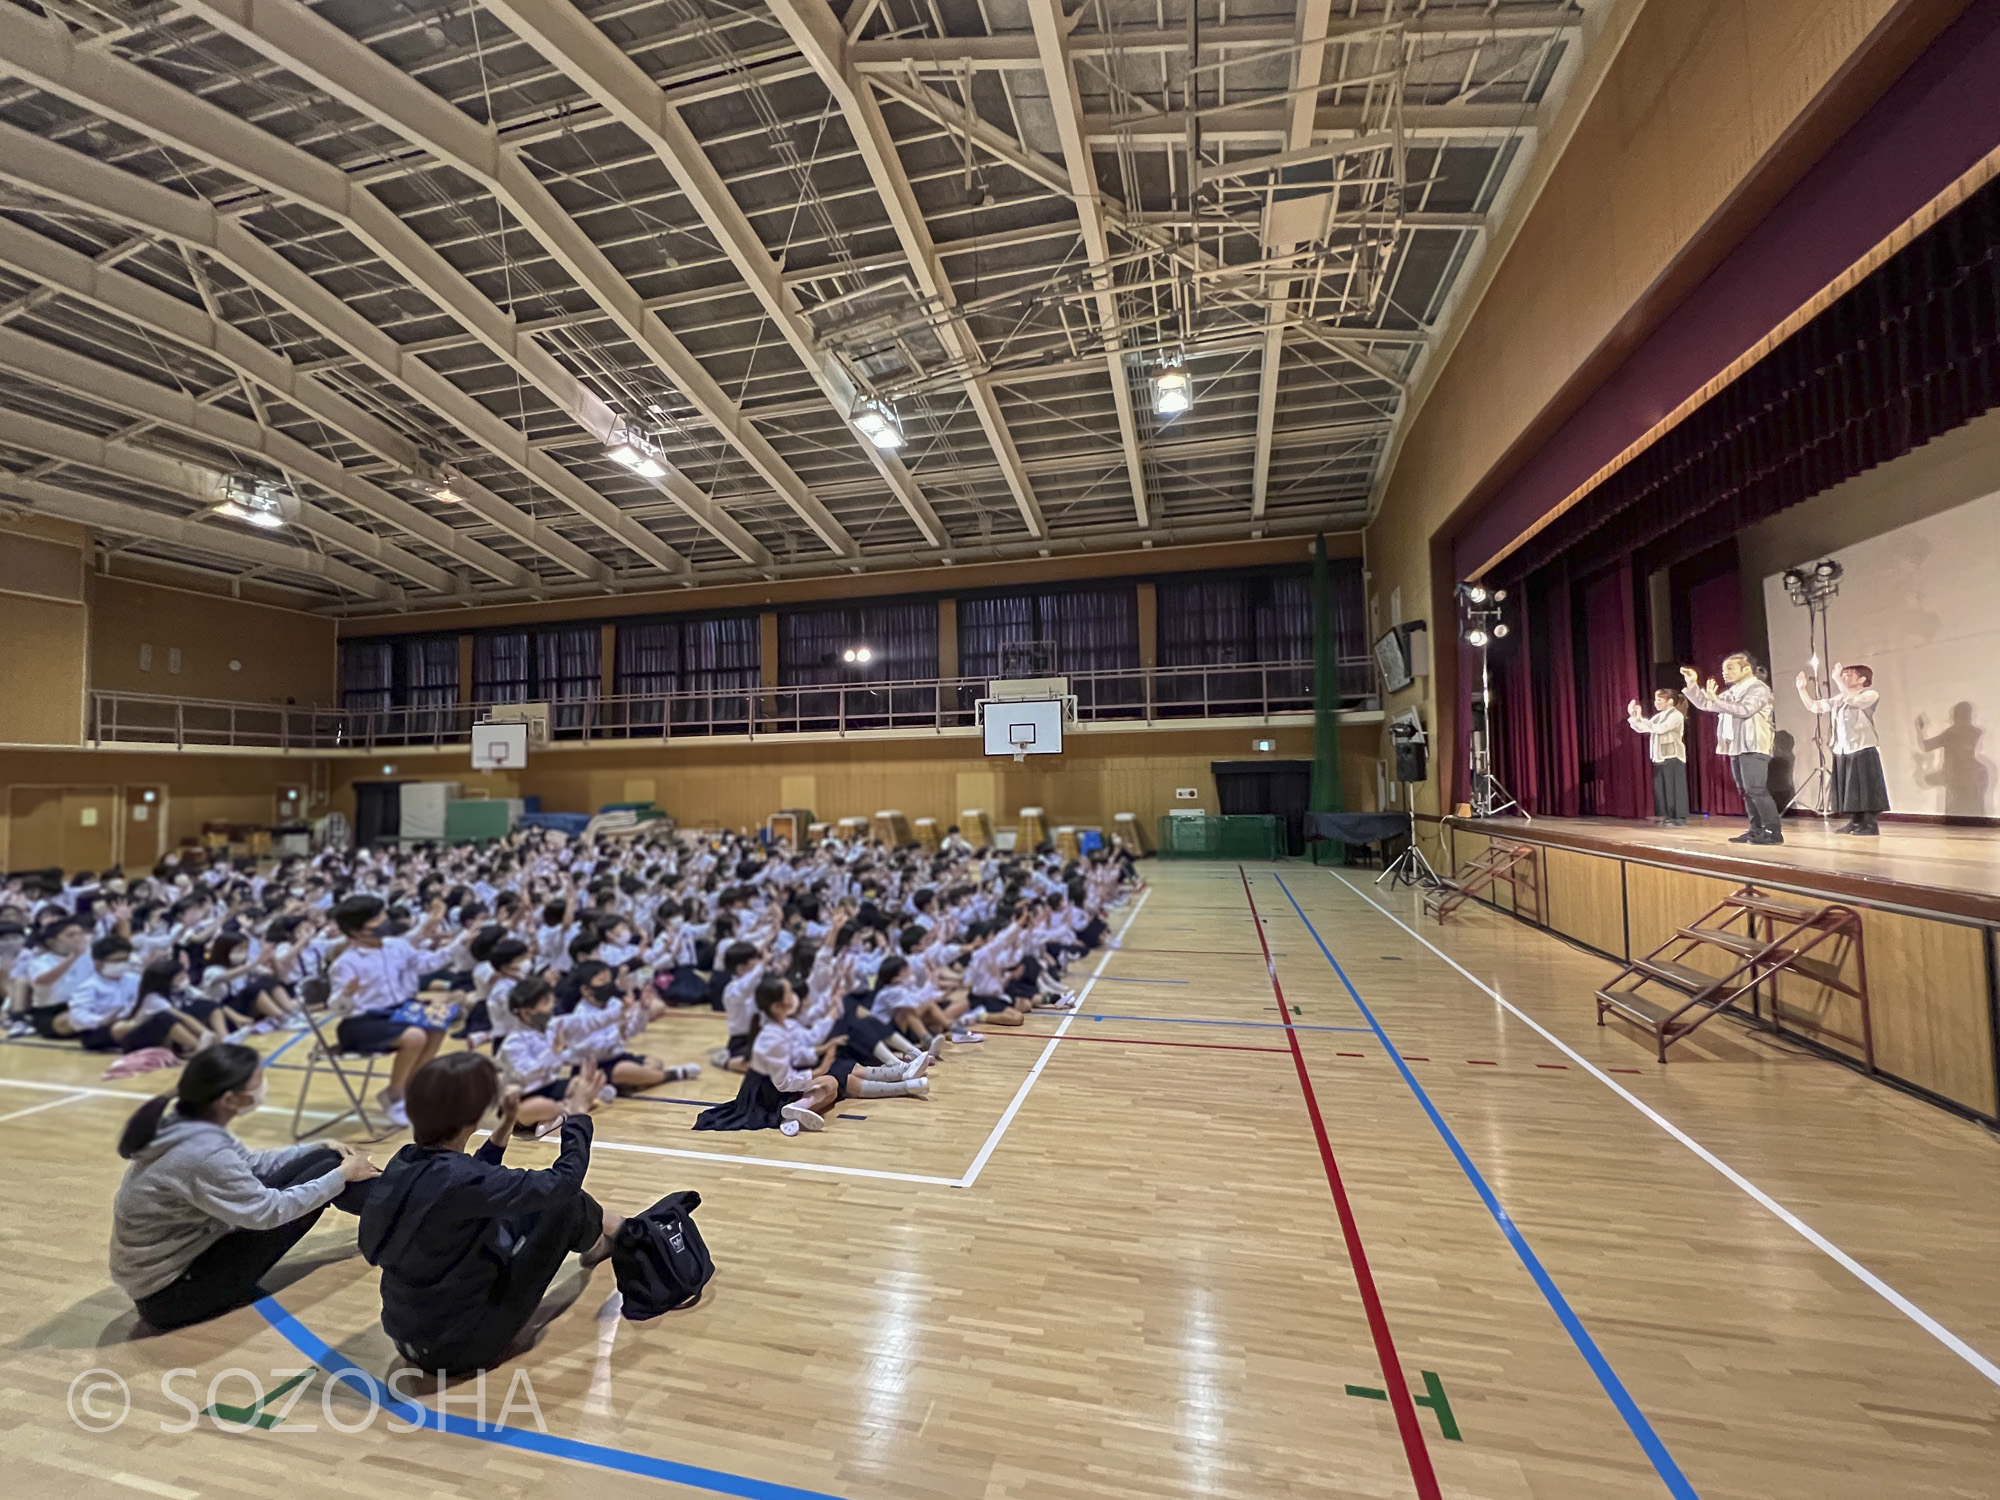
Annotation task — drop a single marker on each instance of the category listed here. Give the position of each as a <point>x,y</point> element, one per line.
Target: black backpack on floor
<point>660,1259</point>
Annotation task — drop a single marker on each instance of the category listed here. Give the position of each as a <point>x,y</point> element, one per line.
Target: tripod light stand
<point>1483,626</point>
<point>1811,588</point>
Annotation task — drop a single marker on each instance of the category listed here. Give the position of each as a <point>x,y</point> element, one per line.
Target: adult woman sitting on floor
<point>200,1218</point>
<point>468,1246</point>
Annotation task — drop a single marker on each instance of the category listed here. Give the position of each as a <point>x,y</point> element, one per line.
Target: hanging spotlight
<point>863,654</point>
<point>632,448</point>
<point>1500,629</point>
<point>252,500</point>
<point>877,422</point>
<point>1476,636</point>
<point>1475,593</point>
<point>1173,393</point>
<point>1499,596</point>
<point>847,655</point>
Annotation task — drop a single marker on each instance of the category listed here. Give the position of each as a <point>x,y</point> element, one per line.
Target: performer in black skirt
<point>1859,789</point>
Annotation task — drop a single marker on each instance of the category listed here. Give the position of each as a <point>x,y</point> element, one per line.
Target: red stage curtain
<point>1715,617</point>
<point>1617,780</point>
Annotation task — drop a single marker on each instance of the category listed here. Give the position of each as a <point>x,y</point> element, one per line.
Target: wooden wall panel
<point>1657,901</point>
<point>1928,994</point>
<point>43,649</point>
<point>1584,898</point>
<point>282,654</point>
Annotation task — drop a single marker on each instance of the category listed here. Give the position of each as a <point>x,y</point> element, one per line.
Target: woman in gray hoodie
<point>199,1217</point>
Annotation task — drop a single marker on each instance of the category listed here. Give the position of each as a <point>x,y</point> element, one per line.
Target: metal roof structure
<point>396,304</point>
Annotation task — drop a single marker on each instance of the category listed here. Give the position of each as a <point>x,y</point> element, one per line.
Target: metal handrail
<point>1257,690</point>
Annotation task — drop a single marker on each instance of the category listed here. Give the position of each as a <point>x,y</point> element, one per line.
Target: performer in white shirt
<point>1859,788</point>
<point>1744,731</point>
<point>374,984</point>
<point>1666,745</point>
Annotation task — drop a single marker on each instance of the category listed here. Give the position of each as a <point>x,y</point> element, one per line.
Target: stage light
<point>1476,636</point>
<point>248,498</point>
<point>847,655</point>
<point>878,424</point>
<point>1476,593</point>
<point>1173,393</point>
<point>1499,596</point>
<point>864,654</point>
<point>1500,631</point>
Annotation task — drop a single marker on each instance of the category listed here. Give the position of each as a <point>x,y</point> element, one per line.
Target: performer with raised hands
<point>1666,746</point>
<point>1859,788</point>
<point>1745,729</point>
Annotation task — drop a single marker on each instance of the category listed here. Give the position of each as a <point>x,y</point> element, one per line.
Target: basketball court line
<point>1930,1325</point>
<point>1027,1084</point>
<point>522,1439</point>
<point>1393,1378</point>
<point>1636,1420</point>
<point>35,1109</point>
<point>1127,1041</point>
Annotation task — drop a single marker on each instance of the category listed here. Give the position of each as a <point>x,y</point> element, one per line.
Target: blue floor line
<point>1635,1419</point>
<point>523,1439</point>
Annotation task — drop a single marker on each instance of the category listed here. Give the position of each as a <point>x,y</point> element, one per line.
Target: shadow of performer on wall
<point>1964,775</point>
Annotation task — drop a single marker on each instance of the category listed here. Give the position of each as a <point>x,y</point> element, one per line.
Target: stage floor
<point>1950,870</point>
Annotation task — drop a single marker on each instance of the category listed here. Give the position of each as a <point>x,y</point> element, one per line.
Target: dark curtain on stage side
<point>1617,778</point>
<point>1715,628</point>
<point>1913,350</point>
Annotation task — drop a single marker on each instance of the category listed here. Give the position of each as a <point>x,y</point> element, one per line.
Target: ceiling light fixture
<point>1173,392</point>
<point>630,447</point>
<point>254,501</point>
<point>876,421</point>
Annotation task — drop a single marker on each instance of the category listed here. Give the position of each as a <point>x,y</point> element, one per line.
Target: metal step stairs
<point>1668,998</point>
<point>1501,863</point>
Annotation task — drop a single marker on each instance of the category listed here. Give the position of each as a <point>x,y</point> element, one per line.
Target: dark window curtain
<point>1347,603</point>
<point>1095,630</point>
<point>430,682</point>
<point>645,664</point>
<point>569,671</point>
<point>501,667</point>
<point>986,625</point>
<point>722,663</point>
<point>1209,622</point>
<point>1617,779</point>
<point>902,640</point>
<point>1911,351</point>
<point>1212,622</point>
<point>1715,629</point>
<point>367,675</point>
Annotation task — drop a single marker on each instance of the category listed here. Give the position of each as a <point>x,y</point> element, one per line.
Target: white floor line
<point>84,1091</point>
<point>1848,1263</point>
<point>1048,1050</point>
<point>771,1161</point>
<point>35,1109</point>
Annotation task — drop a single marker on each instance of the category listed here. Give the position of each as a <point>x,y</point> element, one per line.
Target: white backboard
<point>1032,726</point>
<point>499,747</point>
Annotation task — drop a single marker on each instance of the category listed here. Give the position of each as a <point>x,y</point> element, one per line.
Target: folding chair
<point>327,1053</point>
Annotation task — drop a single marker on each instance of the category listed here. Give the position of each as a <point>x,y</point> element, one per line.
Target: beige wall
<point>44,642</point>
<point>1708,112</point>
<point>283,653</point>
<point>738,786</point>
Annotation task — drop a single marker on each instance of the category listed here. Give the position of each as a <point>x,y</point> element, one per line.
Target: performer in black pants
<point>1666,744</point>
<point>1859,788</point>
<point>199,1217</point>
<point>1745,728</point>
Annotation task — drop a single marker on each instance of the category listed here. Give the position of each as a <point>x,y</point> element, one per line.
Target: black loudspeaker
<point>1412,764</point>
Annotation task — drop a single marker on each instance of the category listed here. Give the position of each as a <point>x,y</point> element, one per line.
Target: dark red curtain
<point>1617,780</point>
<point>1911,351</point>
<point>1715,629</point>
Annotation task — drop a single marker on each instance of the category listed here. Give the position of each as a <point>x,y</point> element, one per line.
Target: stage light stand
<point>1811,588</point>
<point>1483,626</point>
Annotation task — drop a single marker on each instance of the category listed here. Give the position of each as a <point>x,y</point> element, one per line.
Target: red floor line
<point>1127,1041</point>
<point>1357,1256</point>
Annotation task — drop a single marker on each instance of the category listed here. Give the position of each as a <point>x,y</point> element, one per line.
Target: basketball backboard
<point>499,747</point>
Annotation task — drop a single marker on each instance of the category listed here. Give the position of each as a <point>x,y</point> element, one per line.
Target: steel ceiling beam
<point>95,511</point>
<point>1259,121</point>
<point>42,53</point>
<point>811,24</point>
<point>302,43</point>
<point>1052,40</point>
<point>1310,42</point>
<point>598,65</point>
<point>70,177</point>
<point>50,364</point>
<point>156,312</point>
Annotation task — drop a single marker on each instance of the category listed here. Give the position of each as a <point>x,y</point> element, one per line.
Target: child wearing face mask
<point>120,1011</point>
<point>610,1013</point>
<point>535,1057</point>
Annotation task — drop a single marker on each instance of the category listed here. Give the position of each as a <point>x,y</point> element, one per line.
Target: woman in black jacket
<point>468,1246</point>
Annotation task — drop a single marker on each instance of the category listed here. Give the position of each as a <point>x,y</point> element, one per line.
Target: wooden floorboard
<point>1145,1292</point>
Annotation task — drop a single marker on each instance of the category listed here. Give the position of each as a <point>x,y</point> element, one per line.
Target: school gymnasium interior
<point>1279,452</point>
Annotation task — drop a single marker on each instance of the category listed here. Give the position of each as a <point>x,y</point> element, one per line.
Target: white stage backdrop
<point>1921,605</point>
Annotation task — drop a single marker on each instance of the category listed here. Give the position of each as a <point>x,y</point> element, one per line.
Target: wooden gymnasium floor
<point>1114,1264</point>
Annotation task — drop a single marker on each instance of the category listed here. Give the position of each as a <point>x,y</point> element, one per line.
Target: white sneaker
<point>790,1127</point>
<point>917,1088</point>
<point>397,1114</point>
<point>608,1094</point>
<point>683,1071</point>
<point>967,1038</point>
<point>805,1119</point>
<point>719,1058</point>
<point>917,1066</point>
<point>295,1021</point>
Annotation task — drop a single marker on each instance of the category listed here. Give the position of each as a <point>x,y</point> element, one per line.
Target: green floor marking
<point>255,1416</point>
<point>1434,1399</point>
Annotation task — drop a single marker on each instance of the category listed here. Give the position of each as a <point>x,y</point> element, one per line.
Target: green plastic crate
<point>1240,836</point>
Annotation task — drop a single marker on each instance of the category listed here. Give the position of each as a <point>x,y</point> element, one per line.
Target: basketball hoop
<point>1022,737</point>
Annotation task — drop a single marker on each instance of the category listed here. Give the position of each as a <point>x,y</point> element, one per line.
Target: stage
<point>1929,898</point>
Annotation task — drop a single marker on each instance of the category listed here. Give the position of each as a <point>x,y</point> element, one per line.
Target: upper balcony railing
<point>1261,691</point>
